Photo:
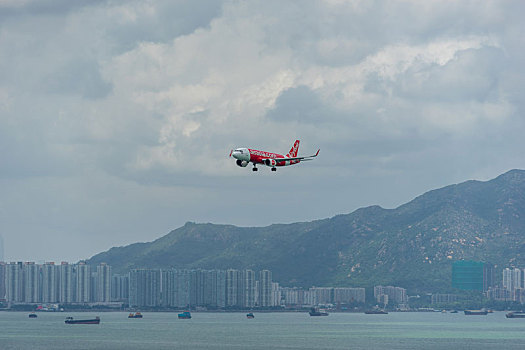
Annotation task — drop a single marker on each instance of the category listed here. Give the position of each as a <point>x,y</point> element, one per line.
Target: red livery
<point>245,156</point>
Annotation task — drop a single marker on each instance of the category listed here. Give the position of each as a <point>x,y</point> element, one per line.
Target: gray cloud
<point>116,118</point>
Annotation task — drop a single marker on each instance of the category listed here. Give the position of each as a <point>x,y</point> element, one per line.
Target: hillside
<point>411,246</point>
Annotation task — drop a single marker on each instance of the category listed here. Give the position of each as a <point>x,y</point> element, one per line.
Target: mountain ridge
<point>412,245</point>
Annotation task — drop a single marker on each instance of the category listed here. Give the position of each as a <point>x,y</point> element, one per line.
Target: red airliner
<point>245,156</point>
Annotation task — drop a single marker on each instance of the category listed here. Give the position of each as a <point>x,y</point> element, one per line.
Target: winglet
<point>232,152</point>
<point>317,152</point>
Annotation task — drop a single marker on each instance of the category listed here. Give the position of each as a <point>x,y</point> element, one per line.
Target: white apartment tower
<point>50,283</point>
<point>31,285</point>
<point>103,283</point>
<point>83,283</point>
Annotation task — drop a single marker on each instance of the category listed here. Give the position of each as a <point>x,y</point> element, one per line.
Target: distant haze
<point>117,118</point>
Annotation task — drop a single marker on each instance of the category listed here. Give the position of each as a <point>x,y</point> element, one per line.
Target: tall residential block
<point>265,288</point>
<point>144,288</point>
<point>67,277</point>
<point>2,280</point>
<point>14,282</point>
<point>83,288</point>
<point>472,275</point>
<point>103,283</point>
<point>31,286</point>
<point>50,283</point>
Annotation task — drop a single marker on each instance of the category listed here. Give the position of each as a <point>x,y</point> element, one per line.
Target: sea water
<point>284,330</point>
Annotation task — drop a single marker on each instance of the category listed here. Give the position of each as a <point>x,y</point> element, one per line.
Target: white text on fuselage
<point>264,154</point>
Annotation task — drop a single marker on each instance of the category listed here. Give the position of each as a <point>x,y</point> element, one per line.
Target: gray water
<point>267,331</point>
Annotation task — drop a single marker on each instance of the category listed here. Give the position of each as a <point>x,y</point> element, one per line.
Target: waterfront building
<point>443,298</point>
<point>103,283</point>
<point>3,278</point>
<point>472,275</point>
<point>276,294</point>
<point>14,282</point>
<point>120,288</point>
<point>233,278</point>
<point>346,295</point>
<point>265,288</point>
<point>499,293</point>
<point>292,296</point>
<point>66,292</point>
<point>323,295</point>
<point>50,283</point>
<point>30,286</point>
<point>396,295</point>
<point>83,283</point>
<point>248,289</point>
<point>144,288</point>
<point>512,281</point>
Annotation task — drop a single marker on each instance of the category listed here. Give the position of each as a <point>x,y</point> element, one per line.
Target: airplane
<point>246,156</point>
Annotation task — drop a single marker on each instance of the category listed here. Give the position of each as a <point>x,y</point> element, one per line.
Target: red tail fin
<point>294,150</point>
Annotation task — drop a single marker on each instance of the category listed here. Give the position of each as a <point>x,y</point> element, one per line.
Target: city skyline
<point>117,118</point>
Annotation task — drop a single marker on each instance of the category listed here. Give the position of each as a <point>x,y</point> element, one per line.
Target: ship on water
<point>315,311</point>
<point>135,315</point>
<point>71,320</point>
<point>376,312</point>
<point>515,314</point>
<point>184,315</point>
<point>476,312</point>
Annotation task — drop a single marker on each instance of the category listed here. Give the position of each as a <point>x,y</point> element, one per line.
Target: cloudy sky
<point>117,117</point>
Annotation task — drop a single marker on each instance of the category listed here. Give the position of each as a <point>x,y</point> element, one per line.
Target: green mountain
<point>412,246</point>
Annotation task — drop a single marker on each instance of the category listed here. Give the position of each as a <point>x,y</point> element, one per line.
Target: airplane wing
<point>297,158</point>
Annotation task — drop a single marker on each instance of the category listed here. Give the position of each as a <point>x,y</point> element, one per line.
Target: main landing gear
<point>274,169</point>
<point>254,167</point>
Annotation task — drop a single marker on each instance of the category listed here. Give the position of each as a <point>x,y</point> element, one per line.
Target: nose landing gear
<point>274,169</point>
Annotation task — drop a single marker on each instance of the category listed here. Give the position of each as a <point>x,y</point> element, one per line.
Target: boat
<point>515,314</point>
<point>476,312</point>
<point>135,315</point>
<point>250,315</point>
<point>317,312</point>
<point>71,320</point>
<point>376,312</point>
<point>33,315</point>
<point>184,315</point>
<point>454,311</point>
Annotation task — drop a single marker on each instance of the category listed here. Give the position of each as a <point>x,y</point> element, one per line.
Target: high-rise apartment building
<point>83,283</point>
<point>14,282</point>
<point>50,283</point>
<point>67,278</point>
<point>144,288</point>
<point>30,285</point>
<point>103,283</point>
<point>120,288</point>
<point>513,282</point>
<point>233,278</point>
<point>265,288</point>
<point>3,278</point>
<point>248,288</point>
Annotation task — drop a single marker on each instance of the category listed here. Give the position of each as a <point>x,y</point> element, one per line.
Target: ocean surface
<point>162,330</point>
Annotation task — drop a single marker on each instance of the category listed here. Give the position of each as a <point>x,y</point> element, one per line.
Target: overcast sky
<point>117,117</point>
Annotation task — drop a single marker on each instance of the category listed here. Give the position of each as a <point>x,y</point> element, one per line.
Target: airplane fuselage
<point>261,157</point>
<point>245,156</point>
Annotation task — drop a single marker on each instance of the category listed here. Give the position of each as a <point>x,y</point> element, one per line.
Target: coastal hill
<point>412,246</point>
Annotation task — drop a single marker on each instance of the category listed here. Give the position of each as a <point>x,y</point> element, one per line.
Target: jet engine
<point>241,163</point>
<point>270,162</point>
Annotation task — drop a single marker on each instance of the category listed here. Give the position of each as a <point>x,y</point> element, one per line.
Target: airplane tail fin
<point>293,150</point>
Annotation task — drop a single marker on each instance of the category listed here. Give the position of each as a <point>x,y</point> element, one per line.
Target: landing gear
<point>274,169</point>
<point>254,167</point>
